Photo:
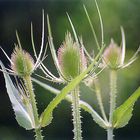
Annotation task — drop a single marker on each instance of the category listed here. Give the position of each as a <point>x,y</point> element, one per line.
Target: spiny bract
<point>23,63</point>
<point>71,58</point>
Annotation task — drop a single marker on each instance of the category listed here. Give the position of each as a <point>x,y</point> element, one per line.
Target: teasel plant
<point>21,93</point>
<point>112,59</point>
<point>70,61</point>
<point>84,69</point>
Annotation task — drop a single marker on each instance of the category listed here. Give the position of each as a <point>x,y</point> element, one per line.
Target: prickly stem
<point>29,86</point>
<point>76,114</point>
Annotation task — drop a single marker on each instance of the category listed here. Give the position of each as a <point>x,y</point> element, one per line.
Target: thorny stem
<point>83,104</point>
<point>29,86</point>
<point>76,114</point>
<point>113,91</point>
<point>38,135</point>
<point>110,134</point>
<point>99,98</point>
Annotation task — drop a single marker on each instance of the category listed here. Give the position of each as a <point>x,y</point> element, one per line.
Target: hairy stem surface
<point>113,92</point>
<point>110,134</point>
<point>29,87</point>
<point>99,98</point>
<point>76,114</point>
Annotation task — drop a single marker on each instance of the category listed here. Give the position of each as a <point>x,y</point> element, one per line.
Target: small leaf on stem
<point>123,114</point>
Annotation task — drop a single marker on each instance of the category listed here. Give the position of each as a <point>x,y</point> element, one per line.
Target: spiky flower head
<point>22,62</point>
<point>71,58</point>
<point>112,55</point>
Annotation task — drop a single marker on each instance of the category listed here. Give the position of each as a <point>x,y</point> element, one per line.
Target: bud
<point>23,63</point>
<point>112,55</point>
<point>71,58</point>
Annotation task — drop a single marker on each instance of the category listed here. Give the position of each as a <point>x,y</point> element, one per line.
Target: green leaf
<point>53,104</point>
<point>23,117</point>
<point>85,106</point>
<point>48,111</point>
<point>123,114</point>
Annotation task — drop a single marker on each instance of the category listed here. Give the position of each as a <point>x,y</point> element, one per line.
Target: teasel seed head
<point>71,58</point>
<point>112,55</point>
<point>23,64</point>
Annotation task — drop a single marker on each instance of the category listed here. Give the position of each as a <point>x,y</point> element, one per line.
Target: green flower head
<point>71,58</point>
<point>22,62</point>
<point>112,55</point>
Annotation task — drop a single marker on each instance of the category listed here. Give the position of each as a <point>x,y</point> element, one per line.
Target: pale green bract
<point>21,110</point>
<point>123,114</point>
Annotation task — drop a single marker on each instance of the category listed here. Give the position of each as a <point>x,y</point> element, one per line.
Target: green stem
<point>38,135</point>
<point>99,98</point>
<point>29,86</point>
<point>76,114</point>
<point>113,92</point>
<point>109,134</point>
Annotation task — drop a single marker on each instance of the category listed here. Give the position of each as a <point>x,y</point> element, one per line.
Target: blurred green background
<point>18,14</point>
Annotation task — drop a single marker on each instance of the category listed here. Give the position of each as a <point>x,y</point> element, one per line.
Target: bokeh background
<point>18,14</point>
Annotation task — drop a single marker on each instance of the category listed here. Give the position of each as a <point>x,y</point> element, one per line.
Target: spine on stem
<point>109,134</point>
<point>113,59</point>
<point>29,86</point>
<point>76,114</point>
<point>23,66</point>
<point>99,98</point>
<point>113,92</point>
